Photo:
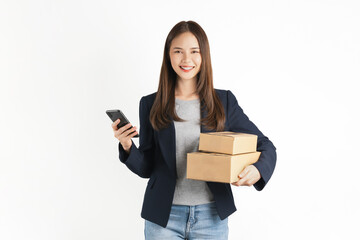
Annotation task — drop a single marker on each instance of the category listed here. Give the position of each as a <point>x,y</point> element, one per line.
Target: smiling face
<point>185,56</point>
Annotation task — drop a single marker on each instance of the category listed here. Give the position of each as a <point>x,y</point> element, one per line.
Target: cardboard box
<point>227,142</point>
<point>217,167</point>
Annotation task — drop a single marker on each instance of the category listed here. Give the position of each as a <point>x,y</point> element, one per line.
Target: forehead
<point>185,40</point>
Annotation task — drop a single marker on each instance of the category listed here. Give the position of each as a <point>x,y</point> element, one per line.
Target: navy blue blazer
<point>155,158</point>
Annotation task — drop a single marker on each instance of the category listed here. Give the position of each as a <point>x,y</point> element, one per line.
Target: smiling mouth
<point>186,68</point>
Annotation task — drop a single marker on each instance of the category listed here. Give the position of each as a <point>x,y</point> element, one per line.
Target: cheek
<point>198,60</point>
<point>174,59</point>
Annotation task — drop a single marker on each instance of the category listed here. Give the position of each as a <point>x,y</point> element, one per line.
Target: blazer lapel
<point>167,143</point>
<point>167,146</point>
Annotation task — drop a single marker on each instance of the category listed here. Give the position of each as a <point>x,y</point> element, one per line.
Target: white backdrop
<point>293,66</point>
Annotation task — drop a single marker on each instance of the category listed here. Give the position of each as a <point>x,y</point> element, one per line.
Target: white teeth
<point>187,68</point>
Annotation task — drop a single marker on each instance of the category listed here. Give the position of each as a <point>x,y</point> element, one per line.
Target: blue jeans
<point>190,222</point>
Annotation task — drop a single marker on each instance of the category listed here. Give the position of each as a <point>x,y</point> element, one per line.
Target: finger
<point>246,181</point>
<point>244,172</point>
<point>252,176</point>
<point>236,184</point>
<point>129,132</point>
<point>133,134</point>
<point>249,179</point>
<point>114,124</point>
<point>241,182</point>
<point>247,184</point>
<point>124,128</point>
<point>121,131</point>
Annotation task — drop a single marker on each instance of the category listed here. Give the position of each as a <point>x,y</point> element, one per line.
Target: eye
<point>195,51</point>
<point>176,51</point>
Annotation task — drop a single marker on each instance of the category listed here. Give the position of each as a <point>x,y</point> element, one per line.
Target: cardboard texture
<point>227,142</point>
<point>222,156</point>
<point>217,167</point>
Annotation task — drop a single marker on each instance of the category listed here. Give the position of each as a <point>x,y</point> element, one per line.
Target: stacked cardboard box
<point>222,156</point>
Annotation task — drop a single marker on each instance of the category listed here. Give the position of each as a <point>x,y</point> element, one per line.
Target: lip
<point>187,70</point>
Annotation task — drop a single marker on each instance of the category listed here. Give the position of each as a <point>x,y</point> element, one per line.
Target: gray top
<point>188,191</point>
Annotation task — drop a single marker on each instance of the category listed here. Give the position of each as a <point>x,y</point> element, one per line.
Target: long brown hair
<point>164,104</point>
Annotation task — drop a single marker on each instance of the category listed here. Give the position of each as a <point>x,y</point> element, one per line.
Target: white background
<point>293,66</point>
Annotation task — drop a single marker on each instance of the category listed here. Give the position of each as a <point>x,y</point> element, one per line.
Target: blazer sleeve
<point>140,160</point>
<point>239,122</point>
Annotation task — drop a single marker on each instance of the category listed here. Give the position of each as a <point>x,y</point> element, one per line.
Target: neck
<point>185,88</point>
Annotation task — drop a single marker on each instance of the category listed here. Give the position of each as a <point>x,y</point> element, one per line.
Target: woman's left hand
<point>249,176</point>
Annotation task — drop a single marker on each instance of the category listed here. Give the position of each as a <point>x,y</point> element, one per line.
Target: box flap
<point>230,134</point>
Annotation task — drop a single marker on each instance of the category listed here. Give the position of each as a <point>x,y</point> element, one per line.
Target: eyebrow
<point>181,48</point>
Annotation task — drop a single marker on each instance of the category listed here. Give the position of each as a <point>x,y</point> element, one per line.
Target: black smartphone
<point>115,115</point>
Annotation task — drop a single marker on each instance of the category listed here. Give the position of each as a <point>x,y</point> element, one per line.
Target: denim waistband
<point>197,207</point>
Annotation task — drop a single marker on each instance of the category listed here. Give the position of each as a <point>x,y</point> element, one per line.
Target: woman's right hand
<point>123,134</point>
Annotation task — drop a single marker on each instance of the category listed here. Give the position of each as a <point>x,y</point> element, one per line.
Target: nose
<point>186,57</point>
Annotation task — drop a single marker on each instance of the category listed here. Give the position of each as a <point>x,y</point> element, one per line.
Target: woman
<point>171,120</point>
